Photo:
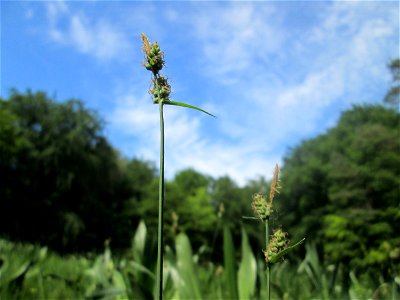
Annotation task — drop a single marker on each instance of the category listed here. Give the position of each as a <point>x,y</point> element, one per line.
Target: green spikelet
<point>277,243</point>
<point>161,89</point>
<point>154,57</point>
<point>261,208</point>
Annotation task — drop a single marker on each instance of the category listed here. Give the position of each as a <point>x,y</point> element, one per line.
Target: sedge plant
<point>160,91</point>
<point>277,244</point>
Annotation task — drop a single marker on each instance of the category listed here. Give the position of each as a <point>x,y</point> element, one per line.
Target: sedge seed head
<point>154,57</point>
<point>277,243</point>
<point>261,208</point>
<point>161,89</point>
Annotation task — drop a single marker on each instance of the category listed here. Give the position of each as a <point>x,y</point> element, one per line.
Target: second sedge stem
<point>266,247</point>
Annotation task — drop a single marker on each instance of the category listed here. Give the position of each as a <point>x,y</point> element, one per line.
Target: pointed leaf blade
<point>139,242</point>
<point>276,257</point>
<point>170,102</point>
<point>229,264</point>
<point>189,287</point>
<point>247,274</point>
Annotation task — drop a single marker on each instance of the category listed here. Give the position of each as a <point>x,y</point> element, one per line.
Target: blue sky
<point>274,73</point>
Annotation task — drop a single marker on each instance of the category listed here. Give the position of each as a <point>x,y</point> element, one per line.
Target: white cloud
<point>347,50</point>
<point>137,120</point>
<point>29,13</point>
<point>235,36</point>
<point>236,40</point>
<point>98,38</point>
<point>283,85</point>
<point>55,9</point>
<point>187,144</point>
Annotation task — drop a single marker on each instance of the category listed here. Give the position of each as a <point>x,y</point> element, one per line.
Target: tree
<point>61,184</point>
<point>188,207</point>
<point>191,203</point>
<point>227,198</point>
<point>393,95</point>
<point>342,190</point>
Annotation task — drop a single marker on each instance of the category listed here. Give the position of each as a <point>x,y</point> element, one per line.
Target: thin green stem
<point>266,248</point>
<point>160,234</point>
<point>268,287</point>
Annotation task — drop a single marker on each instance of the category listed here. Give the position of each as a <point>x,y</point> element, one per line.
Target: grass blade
<point>141,268</point>
<point>189,287</point>
<point>169,102</point>
<point>247,273</point>
<point>139,242</point>
<point>276,257</point>
<point>230,264</point>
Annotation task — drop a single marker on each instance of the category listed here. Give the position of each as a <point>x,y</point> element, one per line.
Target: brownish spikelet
<point>274,184</point>
<point>146,44</point>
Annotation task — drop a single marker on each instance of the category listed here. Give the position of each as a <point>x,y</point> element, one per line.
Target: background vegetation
<point>68,199</point>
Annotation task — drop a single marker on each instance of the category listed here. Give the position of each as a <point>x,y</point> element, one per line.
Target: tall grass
<point>33,272</point>
<point>161,90</point>
<point>276,245</point>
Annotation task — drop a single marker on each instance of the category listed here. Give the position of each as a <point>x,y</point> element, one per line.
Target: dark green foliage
<point>61,183</point>
<point>64,186</point>
<point>188,207</point>
<point>32,272</point>
<point>393,95</point>
<point>226,194</point>
<point>342,190</point>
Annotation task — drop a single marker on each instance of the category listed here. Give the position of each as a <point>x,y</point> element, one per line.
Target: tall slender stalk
<point>266,247</point>
<point>154,62</point>
<point>160,234</point>
<point>277,246</point>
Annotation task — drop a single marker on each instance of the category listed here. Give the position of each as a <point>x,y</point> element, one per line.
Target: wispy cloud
<point>187,145</point>
<point>235,36</point>
<point>99,38</point>
<point>273,77</point>
<point>346,50</point>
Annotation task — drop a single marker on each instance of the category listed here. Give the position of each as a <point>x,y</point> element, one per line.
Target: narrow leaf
<point>230,264</point>
<point>250,218</point>
<point>189,287</point>
<point>276,257</point>
<point>169,102</point>
<point>247,274</point>
<point>141,268</point>
<point>139,242</point>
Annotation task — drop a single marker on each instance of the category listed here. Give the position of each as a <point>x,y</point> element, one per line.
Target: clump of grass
<point>160,91</point>
<point>277,244</point>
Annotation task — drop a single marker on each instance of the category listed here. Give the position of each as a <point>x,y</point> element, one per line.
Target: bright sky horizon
<point>273,72</point>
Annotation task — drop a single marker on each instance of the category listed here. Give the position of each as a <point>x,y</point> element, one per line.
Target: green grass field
<point>33,272</point>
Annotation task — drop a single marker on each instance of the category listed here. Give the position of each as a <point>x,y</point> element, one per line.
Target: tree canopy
<point>60,181</point>
<point>63,185</point>
<point>341,189</point>
<point>393,95</point>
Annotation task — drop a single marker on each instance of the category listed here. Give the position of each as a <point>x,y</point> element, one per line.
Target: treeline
<point>342,190</point>
<point>63,185</point>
